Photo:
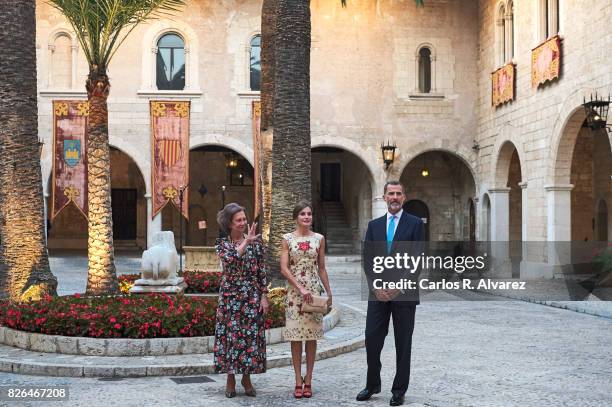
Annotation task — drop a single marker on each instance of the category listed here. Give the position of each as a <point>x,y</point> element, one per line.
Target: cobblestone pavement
<point>472,353</point>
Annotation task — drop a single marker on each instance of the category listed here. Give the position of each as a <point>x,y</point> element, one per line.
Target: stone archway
<point>443,145</point>
<point>419,209</point>
<point>212,184</point>
<point>507,203</point>
<point>590,171</point>
<point>129,208</point>
<point>342,186</point>
<point>445,188</point>
<point>129,205</point>
<point>581,173</point>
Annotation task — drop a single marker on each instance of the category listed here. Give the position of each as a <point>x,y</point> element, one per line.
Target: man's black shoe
<point>396,400</point>
<point>366,393</point>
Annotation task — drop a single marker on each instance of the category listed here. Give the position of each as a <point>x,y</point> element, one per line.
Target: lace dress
<point>303,254</point>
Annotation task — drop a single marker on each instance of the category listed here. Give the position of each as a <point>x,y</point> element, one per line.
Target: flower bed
<point>198,281</point>
<point>202,281</point>
<point>142,316</point>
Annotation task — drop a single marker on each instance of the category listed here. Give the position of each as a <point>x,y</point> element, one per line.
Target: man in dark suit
<point>394,232</point>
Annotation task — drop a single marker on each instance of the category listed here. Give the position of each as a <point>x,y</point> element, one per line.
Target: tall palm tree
<point>291,175</point>
<point>285,112</point>
<point>101,26</point>
<point>268,32</point>
<point>24,262</point>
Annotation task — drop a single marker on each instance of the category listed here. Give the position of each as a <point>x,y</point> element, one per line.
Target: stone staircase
<point>126,246</point>
<point>339,236</point>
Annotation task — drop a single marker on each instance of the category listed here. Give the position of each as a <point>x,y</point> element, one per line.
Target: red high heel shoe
<point>298,391</point>
<point>307,392</point>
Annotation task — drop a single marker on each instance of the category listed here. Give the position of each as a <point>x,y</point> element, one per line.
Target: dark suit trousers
<point>377,327</point>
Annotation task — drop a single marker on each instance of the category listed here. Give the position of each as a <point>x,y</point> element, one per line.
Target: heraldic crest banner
<point>170,152</point>
<point>546,61</point>
<point>69,179</point>
<point>502,86</point>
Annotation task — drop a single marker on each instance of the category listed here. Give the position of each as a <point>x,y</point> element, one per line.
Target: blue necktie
<point>390,233</point>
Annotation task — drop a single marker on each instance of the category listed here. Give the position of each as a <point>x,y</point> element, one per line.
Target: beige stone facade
<point>501,173</point>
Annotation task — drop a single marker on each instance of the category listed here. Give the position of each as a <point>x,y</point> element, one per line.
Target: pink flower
<point>304,246</point>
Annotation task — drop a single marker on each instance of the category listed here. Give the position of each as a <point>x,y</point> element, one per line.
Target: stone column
<point>188,72</point>
<point>74,48</point>
<point>379,207</point>
<point>559,213</point>
<point>559,224</point>
<point>534,253</point>
<point>524,211</point>
<point>500,232</point>
<point>500,214</point>
<point>524,229</point>
<point>154,225</point>
<point>51,51</point>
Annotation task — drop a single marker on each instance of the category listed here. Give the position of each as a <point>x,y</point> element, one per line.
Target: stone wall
<point>446,192</point>
<point>364,92</point>
<point>360,96</point>
<point>542,122</point>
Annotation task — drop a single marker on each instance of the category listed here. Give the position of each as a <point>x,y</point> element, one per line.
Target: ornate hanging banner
<point>502,89</point>
<point>257,148</point>
<point>546,61</point>
<point>170,152</point>
<point>69,177</point>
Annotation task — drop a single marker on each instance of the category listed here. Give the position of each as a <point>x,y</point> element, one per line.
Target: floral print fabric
<point>240,341</point>
<point>303,254</point>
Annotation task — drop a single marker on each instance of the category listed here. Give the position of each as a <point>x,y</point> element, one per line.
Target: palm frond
<point>101,26</point>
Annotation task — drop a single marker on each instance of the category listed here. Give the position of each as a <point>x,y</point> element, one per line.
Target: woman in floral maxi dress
<point>303,265</point>
<point>240,341</point>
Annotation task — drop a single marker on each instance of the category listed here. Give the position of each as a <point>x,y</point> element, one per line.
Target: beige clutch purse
<point>318,304</point>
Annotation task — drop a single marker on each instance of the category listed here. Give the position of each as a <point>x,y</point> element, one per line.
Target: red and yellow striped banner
<point>170,152</point>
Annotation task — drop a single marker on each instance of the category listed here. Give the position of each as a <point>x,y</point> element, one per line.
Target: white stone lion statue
<point>160,262</point>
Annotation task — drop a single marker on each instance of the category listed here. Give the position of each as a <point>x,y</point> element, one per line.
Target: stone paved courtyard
<point>465,353</point>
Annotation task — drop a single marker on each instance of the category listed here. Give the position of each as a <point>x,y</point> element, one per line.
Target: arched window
<point>549,18</point>
<point>170,72</point>
<point>61,64</point>
<point>255,63</point>
<point>509,29</point>
<point>501,35</point>
<point>425,70</point>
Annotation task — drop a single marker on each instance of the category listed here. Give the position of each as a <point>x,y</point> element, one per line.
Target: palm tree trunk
<point>268,33</point>
<point>291,158</point>
<point>101,275</point>
<point>24,261</point>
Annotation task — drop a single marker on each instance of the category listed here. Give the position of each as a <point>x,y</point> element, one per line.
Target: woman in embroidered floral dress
<point>240,341</point>
<point>303,265</point>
